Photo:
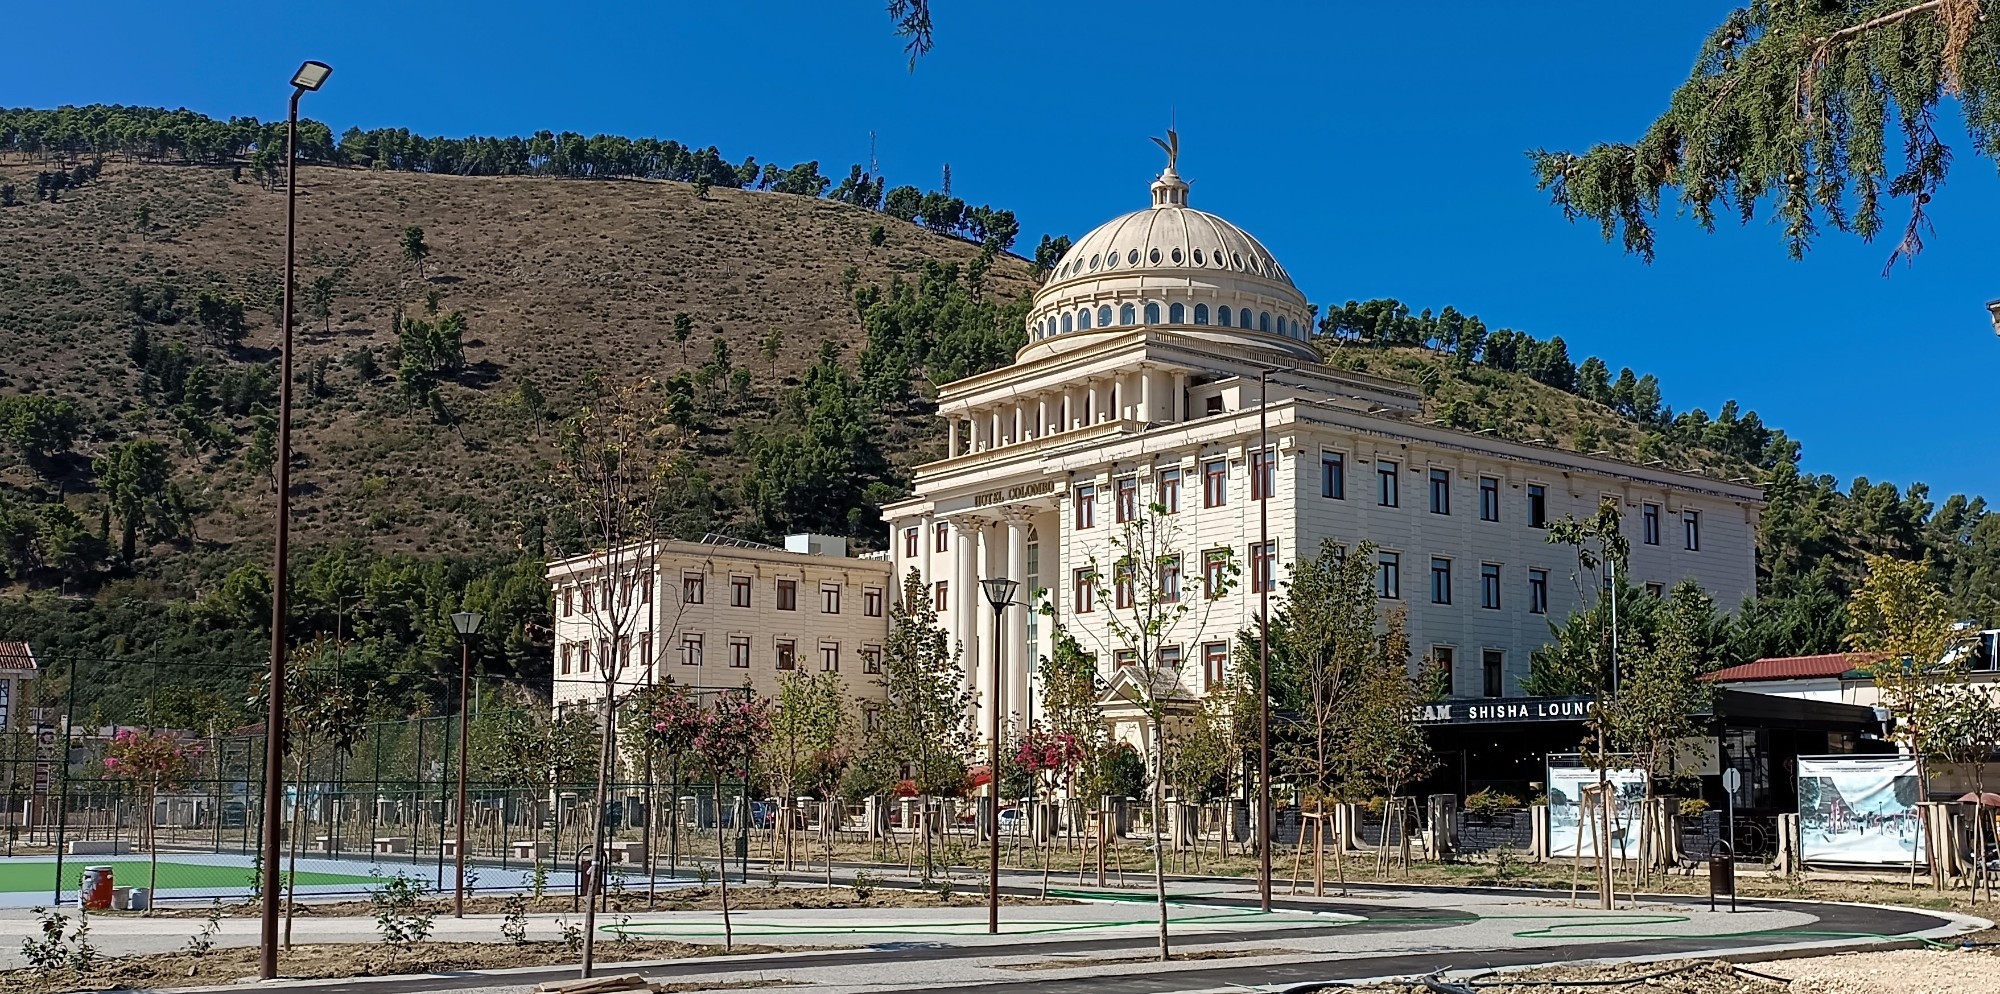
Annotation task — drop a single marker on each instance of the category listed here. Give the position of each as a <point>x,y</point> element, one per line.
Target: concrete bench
<point>533,851</point>
<point>97,847</point>
<point>392,845</point>
<point>323,843</point>
<point>633,853</point>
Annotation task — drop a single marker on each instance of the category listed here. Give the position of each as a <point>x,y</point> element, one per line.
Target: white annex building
<point>1139,384</point>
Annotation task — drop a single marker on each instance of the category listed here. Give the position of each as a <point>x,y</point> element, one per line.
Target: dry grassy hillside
<point>556,278</point>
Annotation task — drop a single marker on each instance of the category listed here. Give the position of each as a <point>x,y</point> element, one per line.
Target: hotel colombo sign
<point>1495,712</point>
<point>1035,489</point>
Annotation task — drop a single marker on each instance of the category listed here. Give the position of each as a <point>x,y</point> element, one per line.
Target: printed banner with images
<point>1860,809</point>
<point>1567,831</point>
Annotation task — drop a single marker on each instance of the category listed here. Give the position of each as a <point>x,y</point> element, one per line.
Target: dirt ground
<point>335,960</point>
<point>1909,971</point>
<point>754,897</point>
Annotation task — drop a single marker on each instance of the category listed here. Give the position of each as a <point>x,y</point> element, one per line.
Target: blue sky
<point>1376,149</point>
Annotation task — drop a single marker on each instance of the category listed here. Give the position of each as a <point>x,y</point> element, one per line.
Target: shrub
<point>864,884</point>
<point>514,928</point>
<point>1490,802</point>
<point>1693,807</point>
<point>397,914</point>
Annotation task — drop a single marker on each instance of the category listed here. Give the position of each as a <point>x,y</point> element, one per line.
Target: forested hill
<point>458,297</point>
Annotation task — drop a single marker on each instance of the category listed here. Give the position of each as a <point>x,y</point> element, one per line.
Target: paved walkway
<point>1062,949</point>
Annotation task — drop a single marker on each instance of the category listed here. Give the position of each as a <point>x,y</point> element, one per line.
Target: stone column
<point>1018,422</point>
<point>1093,408</point>
<point>926,537</point>
<point>951,436</point>
<point>1180,396</point>
<point>1145,394</point>
<point>1019,658</point>
<point>993,428</point>
<point>965,597</point>
<point>1041,415</point>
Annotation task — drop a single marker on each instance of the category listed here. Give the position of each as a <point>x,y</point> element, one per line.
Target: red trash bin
<point>94,892</point>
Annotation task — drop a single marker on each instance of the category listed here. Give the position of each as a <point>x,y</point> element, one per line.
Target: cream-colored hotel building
<point>1139,385</point>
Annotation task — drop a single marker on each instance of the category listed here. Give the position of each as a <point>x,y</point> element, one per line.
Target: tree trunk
<point>607,742</point>
<point>290,883</point>
<point>1158,735</point>
<point>152,851</point>
<point>722,861</point>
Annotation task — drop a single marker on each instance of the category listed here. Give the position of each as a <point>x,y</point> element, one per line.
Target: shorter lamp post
<point>466,624</point>
<point>999,593</point>
<point>1993,311</point>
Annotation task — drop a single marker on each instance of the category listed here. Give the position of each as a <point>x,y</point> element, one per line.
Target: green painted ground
<point>41,875</point>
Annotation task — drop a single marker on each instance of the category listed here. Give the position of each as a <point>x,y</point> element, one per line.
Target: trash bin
<point>1722,875</point>
<point>93,893</point>
<point>138,899</point>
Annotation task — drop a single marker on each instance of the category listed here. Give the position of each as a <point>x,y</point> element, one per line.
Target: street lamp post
<point>311,76</point>
<point>1264,833</point>
<point>466,624</point>
<point>999,593</point>
<point>1993,311</point>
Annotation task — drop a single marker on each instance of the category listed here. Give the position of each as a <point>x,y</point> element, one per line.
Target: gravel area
<point>1904,971</point>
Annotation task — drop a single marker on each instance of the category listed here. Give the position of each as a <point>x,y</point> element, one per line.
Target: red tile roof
<point>1831,664</point>
<point>16,656</point>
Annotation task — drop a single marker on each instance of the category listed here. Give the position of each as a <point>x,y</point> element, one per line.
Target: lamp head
<point>999,591</point>
<point>466,622</point>
<point>312,75</point>
<point>1993,311</point>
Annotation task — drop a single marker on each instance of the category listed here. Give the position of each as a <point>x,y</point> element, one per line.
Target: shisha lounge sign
<point>1505,711</point>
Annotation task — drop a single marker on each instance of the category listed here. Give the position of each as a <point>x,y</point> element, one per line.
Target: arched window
<point>1264,321</point>
<point>1152,312</point>
<point>1066,327</point>
<point>1176,313</point>
<point>1127,314</point>
<point>1201,314</point>
<point>1083,320</point>
<point>1104,315</point>
<point>1222,316</point>
<point>1243,319</point>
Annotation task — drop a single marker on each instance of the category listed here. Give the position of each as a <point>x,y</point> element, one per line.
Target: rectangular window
<point>1388,575</point>
<point>1214,483</point>
<point>739,652</point>
<point>1489,499</point>
<point>829,598</point>
<point>1385,477</point>
<point>1126,499</point>
<point>871,602</point>
<point>871,719</point>
<point>1538,506</point>
<point>1656,590</point>
<point>788,595</point>
<point>1121,586</point>
<point>646,652</point>
<point>1444,659</point>
<point>909,543</point>
<point>1691,527</point>
<point>566,657</point>
<point>583,657</point>
<point>691,649</point>
<point>1649,517</point>
<point>1263,474</point>
<point>1440,581</point>
<point>693,586</point>
<point>1083,585</point>
<point>1214,662</point>
<point>1440,491</point>
<point>739,591</point>
<point>1538,591</point>
<point>788,654</point>
<point>1171,660</point>
<point>1170,580</point>
<point>1214,572</point>
<point>829,657</point>
<point>941,537</point>
<point>1086,507</point>
<point>871,659</point>
<point>569,601</point>
<point>646,589</point>
<point>1263,567</point>
<point>589,597</point>
<point>942,601</point>
<point>1493,672</point>
<point>625,592</point>
<point>1332,475</point>
<point>1169,490</point>
<point>624,654</point>
<point>1212,405</point>
<point>1489,586</point>
<point>1125,658</point>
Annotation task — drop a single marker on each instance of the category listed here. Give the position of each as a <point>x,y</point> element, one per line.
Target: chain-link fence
<point>369,800</point>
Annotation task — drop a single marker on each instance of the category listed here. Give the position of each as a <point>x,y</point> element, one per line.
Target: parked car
<point>1013,821</point>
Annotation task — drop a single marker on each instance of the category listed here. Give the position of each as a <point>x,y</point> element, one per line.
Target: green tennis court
<point>40,875</point>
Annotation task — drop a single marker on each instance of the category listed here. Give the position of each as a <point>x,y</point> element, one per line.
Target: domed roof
<point>1169,236</point>
<point>1170,266</point>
